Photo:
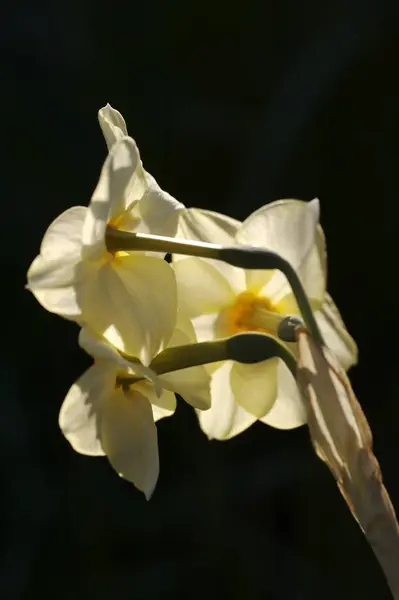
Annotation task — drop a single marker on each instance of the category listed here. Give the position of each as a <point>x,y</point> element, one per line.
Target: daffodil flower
<point>130,298</point>
<point>193,223</point>
<point>112,408</point>
<point>222,300</point>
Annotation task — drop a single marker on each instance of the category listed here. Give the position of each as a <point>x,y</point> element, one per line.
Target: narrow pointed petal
<point>336,335</point>
<point>112,125</point>
<point>80,414</point>
<point>129,439</point>
<point>201,288</point>
<point>119,175</point>
<point>288,411</point>
<point>132,303</point>
<point>254,386</point>
<point>225,419</point>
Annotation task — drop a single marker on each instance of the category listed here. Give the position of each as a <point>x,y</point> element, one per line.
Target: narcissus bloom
<point>222,300</point>
<point>115,294</point>
<point>112,408</point>
<point>193,223</point>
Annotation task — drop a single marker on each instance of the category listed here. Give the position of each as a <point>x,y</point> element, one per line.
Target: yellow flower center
<point>250,313</point>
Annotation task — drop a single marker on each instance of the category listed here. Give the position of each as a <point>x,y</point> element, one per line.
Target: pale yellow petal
<point>56,284</point>
<point>64,236</point>
<point>112,125</point>
<point>213,228</point>
<point>159,211</point>
<point>207,226</point>
<point>132,303</point>
<point>129,439</point>
<point>287,227</point>
<point>192,384</point>
<point>336,335</point>
<point>100,349</point>
<point>288,411</point>
<point>110,197</point>
<point>201,288</point>
<point>254,386</point>
<point>225,419</point>
<point>80,414</point>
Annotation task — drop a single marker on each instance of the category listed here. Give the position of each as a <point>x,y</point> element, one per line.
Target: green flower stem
<point>245,257</point>
<point>243,347</point>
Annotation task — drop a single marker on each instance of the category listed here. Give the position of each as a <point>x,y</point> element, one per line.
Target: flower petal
<point>254,386</point>
<point>112,125</point>
<point>64,236</point>
<point>193,384</point>
<point>132,303</point>
<point>336,335</point>
<point>159,211</point>
<point>80,414</point>
<point>55,284</point>
<point>100,349</point>
<point>213,228</point>
<point>207,226</point>
<point>201,288</point>
<point>287,227</point>
<point>288,410</point>
<point>120,175</point>
<point>129,439</point>
<point>225,419</point>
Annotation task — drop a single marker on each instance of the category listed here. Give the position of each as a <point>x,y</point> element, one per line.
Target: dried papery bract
<point>342,438</point>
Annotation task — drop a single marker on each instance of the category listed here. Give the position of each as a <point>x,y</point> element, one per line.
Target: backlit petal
<point>129,439</point>
<point>288,410</point>
<point>225,419</point>
<point>112,125</point>
<point>287,227</point>
<point>201,288</point>
<point>56,284</point>
<point>120,173</point>
<point>80,414</point>
<point>132,303</point>
<point>254,386</point>
<point>64,236</point>
<point>336,335</point>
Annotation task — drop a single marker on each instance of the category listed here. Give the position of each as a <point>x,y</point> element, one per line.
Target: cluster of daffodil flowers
<point>156,328</point>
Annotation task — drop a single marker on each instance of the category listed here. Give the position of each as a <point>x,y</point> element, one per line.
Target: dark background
<point>232,105</point>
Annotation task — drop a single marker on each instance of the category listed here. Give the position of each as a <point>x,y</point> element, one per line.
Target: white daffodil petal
<point>192,384</point>
<point>225,419</point>
<point>110,196</point>
<point>207,226</point>
<point>54,283</point>
<point>165,400</point>
<point>254,386</point>
<point>101,350</point>
<point>201,288</point>
<point>112,125</point>
<point>129,439</point>
<point>205,327</point>
<point>159,211</point>
<point>64,236</point>
<point>213,228</point>
<point>80,414</point>
<point>132,304</point>
<point>287,227</point>
<point>336,335</point>
<point>288,411</point>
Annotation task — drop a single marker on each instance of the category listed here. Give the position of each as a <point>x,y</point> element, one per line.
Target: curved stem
<point>245,257</point>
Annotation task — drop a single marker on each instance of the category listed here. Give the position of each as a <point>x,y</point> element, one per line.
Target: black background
<point>233,105</point>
